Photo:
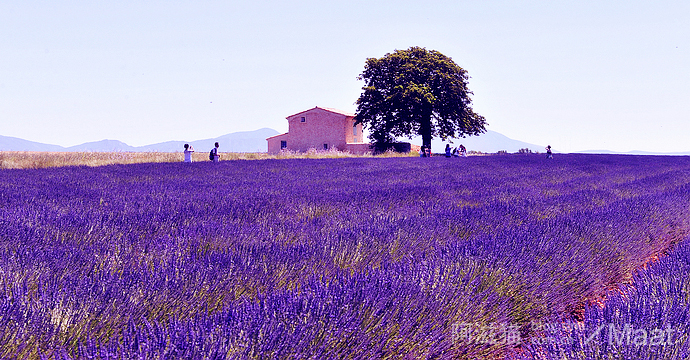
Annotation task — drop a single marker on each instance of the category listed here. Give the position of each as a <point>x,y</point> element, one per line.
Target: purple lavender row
<point>647,319</point>
<point>355,258</point>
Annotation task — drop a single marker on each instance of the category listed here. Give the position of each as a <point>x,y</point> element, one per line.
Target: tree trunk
<point>425,129</point>
<point>426,140</point>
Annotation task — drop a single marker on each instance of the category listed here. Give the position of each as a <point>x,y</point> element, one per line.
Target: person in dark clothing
<point>214,151</point>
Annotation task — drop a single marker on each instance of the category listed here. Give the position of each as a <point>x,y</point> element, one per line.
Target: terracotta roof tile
<point>274,136</point>
<point>323,108</point>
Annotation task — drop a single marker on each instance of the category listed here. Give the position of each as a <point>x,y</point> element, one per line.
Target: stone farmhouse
<point>320,129</point>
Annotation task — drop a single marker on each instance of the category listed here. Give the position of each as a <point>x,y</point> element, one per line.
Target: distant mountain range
<point>244,141</point>
<point>255,141</point>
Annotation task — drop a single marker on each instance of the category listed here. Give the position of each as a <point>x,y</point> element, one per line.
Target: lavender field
<point>360,258</point>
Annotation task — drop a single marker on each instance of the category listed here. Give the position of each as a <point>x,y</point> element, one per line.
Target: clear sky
<point>575,74</point>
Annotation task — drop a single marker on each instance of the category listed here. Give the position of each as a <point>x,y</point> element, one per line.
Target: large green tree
<point>416,92</point>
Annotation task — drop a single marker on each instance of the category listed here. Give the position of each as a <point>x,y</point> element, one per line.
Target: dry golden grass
<point>39,160</point>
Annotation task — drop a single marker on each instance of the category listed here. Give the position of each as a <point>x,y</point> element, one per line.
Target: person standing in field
<point>549,155</point>
<point>448,151</point>
<point>214,154</point>
<point>188,150</point>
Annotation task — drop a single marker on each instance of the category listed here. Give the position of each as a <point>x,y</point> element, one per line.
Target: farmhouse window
<point>283,144</point>
<point>325,146</point>
<point>354,130</point>
<point>302,119</point>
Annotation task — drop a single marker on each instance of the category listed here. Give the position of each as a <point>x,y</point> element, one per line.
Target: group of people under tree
<point>462,151</point>
<point>425,151</point>
<point>213,155</point>
<point>456,152</point>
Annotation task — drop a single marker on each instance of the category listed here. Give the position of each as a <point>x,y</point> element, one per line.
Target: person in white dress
<point>188,150</point>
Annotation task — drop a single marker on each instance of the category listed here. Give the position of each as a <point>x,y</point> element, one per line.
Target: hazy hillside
<point>244,141</point>
<point>8,143</point>
<point>103,145</point>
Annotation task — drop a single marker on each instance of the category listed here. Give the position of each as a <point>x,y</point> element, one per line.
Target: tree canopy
<point>416,92</point>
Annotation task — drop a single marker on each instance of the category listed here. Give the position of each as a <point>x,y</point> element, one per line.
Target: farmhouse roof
<point>274,136</point>
<point>326,109</point>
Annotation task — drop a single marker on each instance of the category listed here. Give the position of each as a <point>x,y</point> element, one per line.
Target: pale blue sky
<point>574,74</point>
